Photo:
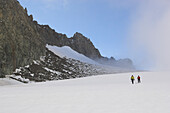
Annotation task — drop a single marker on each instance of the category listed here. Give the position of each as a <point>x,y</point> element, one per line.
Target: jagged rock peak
<point>79,35</point>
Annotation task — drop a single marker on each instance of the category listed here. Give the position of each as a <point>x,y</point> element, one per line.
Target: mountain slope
<point>23,40</point>
<point>53,67</point>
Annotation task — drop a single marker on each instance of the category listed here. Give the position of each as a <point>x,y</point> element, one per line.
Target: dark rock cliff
<point>20,41</point>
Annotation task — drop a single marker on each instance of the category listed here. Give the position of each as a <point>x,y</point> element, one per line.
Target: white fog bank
<point>150,34</point>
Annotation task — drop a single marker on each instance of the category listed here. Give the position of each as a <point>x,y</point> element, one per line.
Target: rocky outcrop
<point>78,42</point>
<point>52,67</point>
<point>84,46</point>
<point>20,41</point>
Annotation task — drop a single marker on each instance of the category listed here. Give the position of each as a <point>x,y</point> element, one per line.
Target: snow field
<point>112,93</point>
<point>67,52</point>
<point>8,81</point>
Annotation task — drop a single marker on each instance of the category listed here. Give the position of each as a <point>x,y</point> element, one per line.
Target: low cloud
<point>150,31</point>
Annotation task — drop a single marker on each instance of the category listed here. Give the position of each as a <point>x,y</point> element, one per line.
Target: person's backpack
<point>138,77</point>
<point>132,78</point>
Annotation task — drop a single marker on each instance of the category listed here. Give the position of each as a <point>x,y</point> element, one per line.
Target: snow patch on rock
<point>67,52</point>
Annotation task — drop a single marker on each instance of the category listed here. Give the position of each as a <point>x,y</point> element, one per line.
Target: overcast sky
<point>137,29</point>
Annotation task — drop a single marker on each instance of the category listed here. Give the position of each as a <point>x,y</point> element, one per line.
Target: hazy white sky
<point>150,31</point>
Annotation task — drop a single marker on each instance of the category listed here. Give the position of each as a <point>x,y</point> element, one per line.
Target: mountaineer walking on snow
<point>132,79</point>
<point>138,79</point>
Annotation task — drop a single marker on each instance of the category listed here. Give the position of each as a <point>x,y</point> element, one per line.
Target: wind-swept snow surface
<point>112,93</point>
<point>67,52</point>
<point>8,81</point>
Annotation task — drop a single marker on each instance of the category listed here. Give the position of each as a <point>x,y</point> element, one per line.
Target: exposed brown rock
<point>20,41</point>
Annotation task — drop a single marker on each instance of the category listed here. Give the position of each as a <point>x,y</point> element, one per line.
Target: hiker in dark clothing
<point>132,79</point>
<point>138,79</point>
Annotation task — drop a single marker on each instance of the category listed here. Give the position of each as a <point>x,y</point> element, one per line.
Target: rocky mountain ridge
<point>78,42</point>
<point>23,40</point>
